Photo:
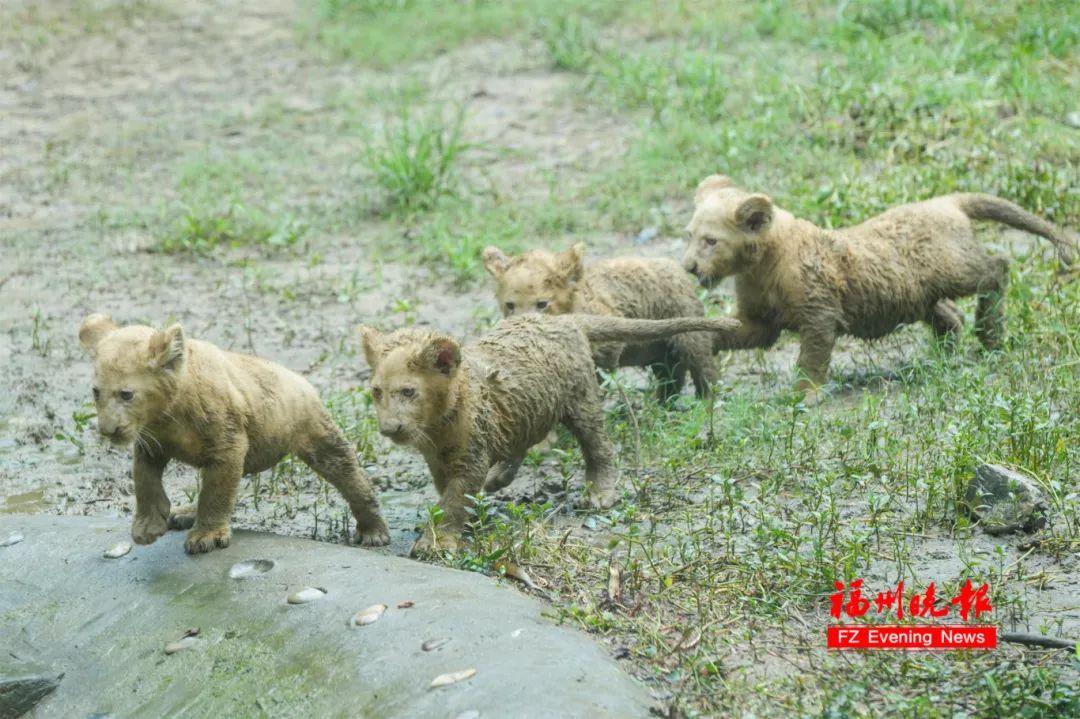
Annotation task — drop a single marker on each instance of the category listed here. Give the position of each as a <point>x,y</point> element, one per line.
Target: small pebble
<point>13,538</point>
<point>367,616</point>
<point>432,644</point>
<point>646,236</point>
<point>1073,119</point>
<point>406,604</point>
<point>305,595</point>
<point>118,551</point>
<point>250,568</point>
<point>180,645</point>
<point>445,680</point>
<point>468,714</point>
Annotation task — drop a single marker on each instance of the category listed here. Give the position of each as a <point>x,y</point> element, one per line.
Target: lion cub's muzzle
<point>118,436</point>
<point>394,431</point>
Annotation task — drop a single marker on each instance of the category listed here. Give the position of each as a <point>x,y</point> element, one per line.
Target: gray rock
<point>104,623</point>
<point>647,235</point>
<point>23,685</point>
<point>1072,119</point>
<point>1005,501</point>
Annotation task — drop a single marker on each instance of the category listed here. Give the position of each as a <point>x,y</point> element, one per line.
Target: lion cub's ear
<point>167,348</point>
<point>571,262</point>
<point>94,329</point>
<point>495,262</point>
<point>371,341</point>
<point>442,354</point>
<point>710,183</point>
<point>754,213</point>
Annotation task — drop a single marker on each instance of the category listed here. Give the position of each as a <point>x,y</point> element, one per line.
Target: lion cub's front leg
<point>151,502</point>
<point>464,478</point>
<point>217,497</point>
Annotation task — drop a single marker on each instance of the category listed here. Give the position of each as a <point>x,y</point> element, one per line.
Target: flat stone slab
<point>104,623</point>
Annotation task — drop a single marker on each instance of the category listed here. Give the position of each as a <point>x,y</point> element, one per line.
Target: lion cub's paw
<point>146,528</point>
<point>200,541</point>
<point>377,535</point>
<point>428,545</point>
<point>602,499</point>
<point>182,517</point>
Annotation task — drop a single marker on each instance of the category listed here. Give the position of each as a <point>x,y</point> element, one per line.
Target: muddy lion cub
<point>639,288</point>
<point>226,414</point>
<point>469,409</point>
<point>906,265</point>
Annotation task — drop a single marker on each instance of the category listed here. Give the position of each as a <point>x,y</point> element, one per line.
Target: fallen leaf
<point>513,571</point>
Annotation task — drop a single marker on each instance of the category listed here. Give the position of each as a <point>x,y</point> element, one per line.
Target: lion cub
<point>906,265</point>
<point>649,289</point>
<point>226,414</point>
<point>467,409</point>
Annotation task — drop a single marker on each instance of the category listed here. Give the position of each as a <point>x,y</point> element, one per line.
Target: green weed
<point>414,162</point>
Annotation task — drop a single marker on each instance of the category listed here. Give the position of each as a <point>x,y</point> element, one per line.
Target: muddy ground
<point>97,129</point>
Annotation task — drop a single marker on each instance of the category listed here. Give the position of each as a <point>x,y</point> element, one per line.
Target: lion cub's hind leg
<point>947,321</point>
<point>585,420</point>
<point>331,457</point>
<point>989,313</point>
<point>693,350</point>
<point>502,474</point>
<point>182,517</point>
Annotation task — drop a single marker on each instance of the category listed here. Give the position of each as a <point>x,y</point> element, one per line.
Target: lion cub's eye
<point>542,305</point>
<point>376,393</point>
<point>127,395</point>
<point>97,393</point>
<point>408,392</point>
<point>509,306</point>
<point>710,241</point>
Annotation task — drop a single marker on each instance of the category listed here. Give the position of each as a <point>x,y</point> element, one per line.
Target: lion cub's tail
<point>988,207</point>
<point>599,328</point>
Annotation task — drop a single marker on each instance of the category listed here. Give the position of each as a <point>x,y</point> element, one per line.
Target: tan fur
<point>467,409</point>
<point>560,283</point>
<point>226,414</point>
<point>905,265</point>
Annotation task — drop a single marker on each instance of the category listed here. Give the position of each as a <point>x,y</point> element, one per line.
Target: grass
<point>735,522</point>
<point>372,31</point>
<point>211,213</point>
<point>709,579</point>
<point>735,542</point>
<point>414,162</point>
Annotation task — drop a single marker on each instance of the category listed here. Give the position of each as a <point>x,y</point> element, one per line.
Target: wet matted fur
<point>226,414</point>
<point>905,265</point>
<point>467,409</point>
<point>561,283</point>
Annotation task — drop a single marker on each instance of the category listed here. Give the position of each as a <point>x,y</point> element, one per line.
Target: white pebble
<point>445,680</point>
<point>305,595</point>
<point>118,551</point>
<point>367,616</point>
<point>250,568</point>
<point>13,538</point>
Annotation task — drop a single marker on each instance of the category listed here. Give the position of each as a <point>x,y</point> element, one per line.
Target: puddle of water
<point>25,503</point>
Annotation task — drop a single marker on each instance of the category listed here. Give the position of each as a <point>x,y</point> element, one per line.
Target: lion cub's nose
<point>690,266</point>
<point>390,429</point>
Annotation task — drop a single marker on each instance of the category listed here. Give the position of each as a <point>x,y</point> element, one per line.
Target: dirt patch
<point>98,127</point>
<point>101,131</point>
